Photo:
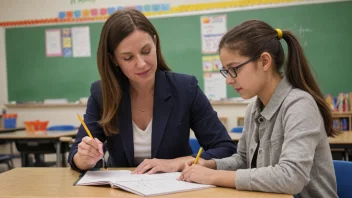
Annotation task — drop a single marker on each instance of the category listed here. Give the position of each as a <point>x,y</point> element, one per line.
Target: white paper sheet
<point>53,42</point>
<point>81,42</point>
<point>212,30</point>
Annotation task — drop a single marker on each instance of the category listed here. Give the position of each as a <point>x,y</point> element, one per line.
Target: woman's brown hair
<point>253,37</point>
<point>116,28</point>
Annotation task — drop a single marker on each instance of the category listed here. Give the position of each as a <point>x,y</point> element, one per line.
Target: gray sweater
<point>293,156</point>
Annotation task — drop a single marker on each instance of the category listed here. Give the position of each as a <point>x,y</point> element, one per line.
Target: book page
<point>157,184</point>
<point>148,177</point>
<point>102,177</point>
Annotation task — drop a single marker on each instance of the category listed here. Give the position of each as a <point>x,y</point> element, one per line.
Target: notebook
<point>142,184</point>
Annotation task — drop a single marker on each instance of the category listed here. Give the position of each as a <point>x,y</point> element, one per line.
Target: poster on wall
<point>212,30</point>
<point>211,63</point>
<point>81,41</point>
<point>214,86</point>
<point>53,42</point>
<point>66,42</point>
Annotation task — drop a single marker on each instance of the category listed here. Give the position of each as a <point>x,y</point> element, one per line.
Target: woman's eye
<point>127,59</point>
<point>146,52</point>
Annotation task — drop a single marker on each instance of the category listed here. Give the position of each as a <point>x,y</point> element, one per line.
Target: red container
<point>33,126</point>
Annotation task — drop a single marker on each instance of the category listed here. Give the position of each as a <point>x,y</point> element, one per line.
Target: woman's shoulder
<point>180,79</point>
<point>95,87</point>
<point>178,76</point>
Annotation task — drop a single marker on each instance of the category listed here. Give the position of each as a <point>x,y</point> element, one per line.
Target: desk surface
<point>58,182</point>
<point>36,135</point>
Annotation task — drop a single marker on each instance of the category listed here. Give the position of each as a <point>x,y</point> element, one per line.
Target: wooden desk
<point>58,182</point>
<point>53,136</point>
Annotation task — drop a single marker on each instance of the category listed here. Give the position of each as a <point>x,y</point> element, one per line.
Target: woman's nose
<point>140,62</point>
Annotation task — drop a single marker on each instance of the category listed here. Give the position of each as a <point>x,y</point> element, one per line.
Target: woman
<point>284,147</point>
<point>142,109</point>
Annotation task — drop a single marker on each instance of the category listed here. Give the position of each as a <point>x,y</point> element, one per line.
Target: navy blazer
<point>179,105</point>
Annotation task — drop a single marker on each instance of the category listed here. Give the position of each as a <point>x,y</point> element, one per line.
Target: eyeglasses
<point>233,71</point>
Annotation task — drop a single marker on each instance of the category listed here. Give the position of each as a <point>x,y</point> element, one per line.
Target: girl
<point>284,147</point>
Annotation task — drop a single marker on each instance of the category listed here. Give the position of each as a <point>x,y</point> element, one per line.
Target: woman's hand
<point>90,151</point>
<point>151,166</point>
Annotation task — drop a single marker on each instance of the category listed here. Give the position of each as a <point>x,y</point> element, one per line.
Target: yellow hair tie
<point>279,33</point>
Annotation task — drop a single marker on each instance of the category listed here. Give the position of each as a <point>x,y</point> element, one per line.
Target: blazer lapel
<point>161,111</point>
<point>125,124</point>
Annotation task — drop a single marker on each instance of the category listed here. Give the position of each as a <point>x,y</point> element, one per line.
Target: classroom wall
<point>13,10</point>
<point>3,75</point>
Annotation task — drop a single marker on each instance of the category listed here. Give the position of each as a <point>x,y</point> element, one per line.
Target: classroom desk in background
<point>2,130</point>
<point>37,137</point>
<point>58,182</point>
<point>342,141</point>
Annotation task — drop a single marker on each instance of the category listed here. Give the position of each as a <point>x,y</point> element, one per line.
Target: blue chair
<point>238,129</point>
<point>343,172</point>
<point>194,145</point>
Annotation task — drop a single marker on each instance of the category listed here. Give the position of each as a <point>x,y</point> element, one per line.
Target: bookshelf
<point>342,120</point>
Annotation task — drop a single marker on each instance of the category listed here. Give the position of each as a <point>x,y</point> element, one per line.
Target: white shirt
<point>142,143</point>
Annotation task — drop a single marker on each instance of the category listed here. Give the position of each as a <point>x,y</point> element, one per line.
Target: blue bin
<point>237,129</point>
<point>61,128</point>
<point>10,123</point>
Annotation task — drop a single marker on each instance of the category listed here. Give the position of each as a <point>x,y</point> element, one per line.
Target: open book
<point>142,184</point>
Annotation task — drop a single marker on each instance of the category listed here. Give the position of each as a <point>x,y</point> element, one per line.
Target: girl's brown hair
<point>117,27</point>
<point>254,37</point>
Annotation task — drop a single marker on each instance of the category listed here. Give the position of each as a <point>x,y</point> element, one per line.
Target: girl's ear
<point>265,61</point>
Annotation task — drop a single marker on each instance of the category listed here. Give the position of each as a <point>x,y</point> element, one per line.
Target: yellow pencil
<point>85,126</point>
<point>198,155</point>
<point>90,135</point>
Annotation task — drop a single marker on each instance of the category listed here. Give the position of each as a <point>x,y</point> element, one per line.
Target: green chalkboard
<point>323,29</point>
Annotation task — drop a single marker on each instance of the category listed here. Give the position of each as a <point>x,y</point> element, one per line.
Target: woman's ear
<point>265,61</point>
<point>113,60</point>
<point>155,40</point>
